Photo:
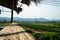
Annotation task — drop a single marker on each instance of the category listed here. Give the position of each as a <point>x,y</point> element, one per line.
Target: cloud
<point>52,2</point>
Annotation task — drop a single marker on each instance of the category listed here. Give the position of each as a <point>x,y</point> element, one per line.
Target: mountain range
<point>26,19</point>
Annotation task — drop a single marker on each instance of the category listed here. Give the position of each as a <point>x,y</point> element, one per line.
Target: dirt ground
<point>15,32</point>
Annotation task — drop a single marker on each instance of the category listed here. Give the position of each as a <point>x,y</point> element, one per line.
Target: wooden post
<point>12,11</point>
<point>11,16</point>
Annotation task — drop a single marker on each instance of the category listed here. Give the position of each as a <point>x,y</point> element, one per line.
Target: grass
<point>51,30</point>
<point>42,35</point>
<point>47,36</point>
<point>45,27</point>
<point>4,24</point>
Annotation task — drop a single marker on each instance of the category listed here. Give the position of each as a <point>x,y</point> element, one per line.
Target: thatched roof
<point>8,3</point>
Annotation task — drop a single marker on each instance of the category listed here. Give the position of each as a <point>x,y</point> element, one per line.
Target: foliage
<point>43,36</point>
<point>51,27</point>
<point>51,30</point>
<point>4,24</point>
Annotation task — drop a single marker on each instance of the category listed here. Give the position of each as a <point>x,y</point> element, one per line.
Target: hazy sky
<point>49,9</point>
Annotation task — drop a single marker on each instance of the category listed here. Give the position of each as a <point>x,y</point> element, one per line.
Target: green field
<point>4,24</point>
<point>51,30</point>
<point>50,27</point>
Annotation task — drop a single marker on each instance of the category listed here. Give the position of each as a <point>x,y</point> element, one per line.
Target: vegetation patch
<point>4,24</point>
<point>49,28</point>
<point>48,36</point>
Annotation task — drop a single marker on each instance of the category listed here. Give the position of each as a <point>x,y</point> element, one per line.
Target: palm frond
<point>36,1</point>
<point>27,2</point>
<point>18,10</point>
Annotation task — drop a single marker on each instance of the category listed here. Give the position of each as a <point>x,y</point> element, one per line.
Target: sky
<point>49,9</point>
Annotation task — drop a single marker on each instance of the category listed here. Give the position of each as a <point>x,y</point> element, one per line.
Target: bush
<point>29,31</point>
<point>56,37</point>
<point>41,27</point>
<point>41,36</point>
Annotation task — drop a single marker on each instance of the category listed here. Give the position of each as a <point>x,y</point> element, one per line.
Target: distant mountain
<point>30,19</point>
<point>4,19</point>
<point>26,19</point>
<point>54,19</point>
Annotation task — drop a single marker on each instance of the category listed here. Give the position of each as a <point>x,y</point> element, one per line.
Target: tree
<point>11,4</point>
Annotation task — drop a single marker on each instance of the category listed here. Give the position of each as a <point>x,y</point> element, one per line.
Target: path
<point>14,32</point>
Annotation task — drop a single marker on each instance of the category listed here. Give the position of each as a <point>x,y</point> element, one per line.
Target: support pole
<point>12,11</point>
<point>11,16</point>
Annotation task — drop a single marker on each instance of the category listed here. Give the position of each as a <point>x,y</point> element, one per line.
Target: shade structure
<point>8,4</point>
